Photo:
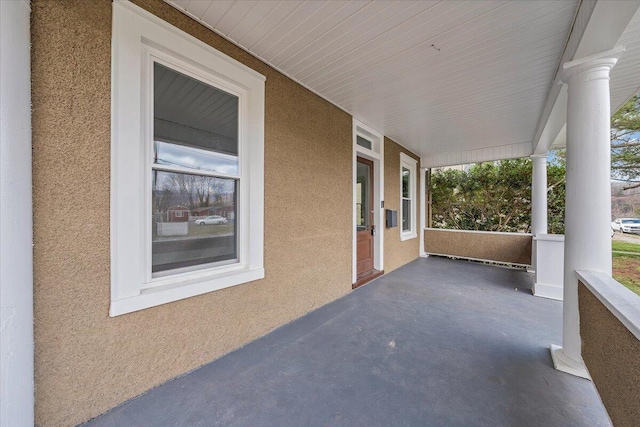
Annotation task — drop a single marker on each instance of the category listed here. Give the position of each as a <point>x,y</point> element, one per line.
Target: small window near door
<point>363,142</point>
<point>408,176</point>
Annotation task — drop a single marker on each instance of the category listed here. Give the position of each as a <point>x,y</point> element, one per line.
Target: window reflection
<point>195,169</point>
<point>194,220</point>
<point>406,201</point>
<point>194,158</point>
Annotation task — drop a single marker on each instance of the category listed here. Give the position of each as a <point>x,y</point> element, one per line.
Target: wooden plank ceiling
<point>436,76</point>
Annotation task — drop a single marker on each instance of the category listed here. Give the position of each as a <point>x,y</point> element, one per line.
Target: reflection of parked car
<point>626,225</point>
<point>213,219</point>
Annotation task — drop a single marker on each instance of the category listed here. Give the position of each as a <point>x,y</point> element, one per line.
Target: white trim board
<point>16,230</point>
<point>408,162</point>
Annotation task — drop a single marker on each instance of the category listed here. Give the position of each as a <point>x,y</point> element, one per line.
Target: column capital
<point>538,157</point>
<point>603,61</point>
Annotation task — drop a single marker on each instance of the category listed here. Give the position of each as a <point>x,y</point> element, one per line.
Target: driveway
<point>630,238</point>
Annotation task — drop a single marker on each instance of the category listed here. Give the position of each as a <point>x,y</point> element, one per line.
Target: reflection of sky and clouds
<point>195,158</point>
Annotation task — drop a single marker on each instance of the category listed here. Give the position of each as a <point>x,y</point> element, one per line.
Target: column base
<point>564,363</point>
<point>548,291</point>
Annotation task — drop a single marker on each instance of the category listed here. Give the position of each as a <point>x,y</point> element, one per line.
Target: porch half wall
<point>87,362</point>
<point>508,248</point>
<point>610,351</point>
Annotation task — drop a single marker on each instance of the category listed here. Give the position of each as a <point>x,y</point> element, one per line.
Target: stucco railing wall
<point>610,332</point>
<point>508,248</point>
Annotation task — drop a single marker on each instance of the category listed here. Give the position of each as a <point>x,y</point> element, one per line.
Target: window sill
<point>161,295</point>
<point>408,236</point>
<point>623,303</point>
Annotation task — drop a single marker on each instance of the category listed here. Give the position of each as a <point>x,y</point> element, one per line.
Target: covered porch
<point>436,342</point>
<point>433,342</point>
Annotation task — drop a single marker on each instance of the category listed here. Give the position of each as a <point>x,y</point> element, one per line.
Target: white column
<point>423,208</point>
<point>16,267</point>
<point>544,286</point>
<point>539,194</point>
<point>588,199</point>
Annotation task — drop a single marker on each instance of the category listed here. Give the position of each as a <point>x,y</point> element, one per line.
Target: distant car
<point>626,225</point>
<point>213,219</point>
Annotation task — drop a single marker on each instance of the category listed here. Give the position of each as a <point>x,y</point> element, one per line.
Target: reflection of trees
<point>191,191</point>
<point>197,191</point>
<point>161,200</point>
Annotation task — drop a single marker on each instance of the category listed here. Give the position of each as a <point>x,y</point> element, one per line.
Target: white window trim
<point>138,38</point>
<point>411,164</point>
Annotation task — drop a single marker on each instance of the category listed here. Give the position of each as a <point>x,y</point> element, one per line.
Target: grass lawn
<point>199,231</point>
<point>213,229</point>
<point>625,246</point>
<point>626,267</point>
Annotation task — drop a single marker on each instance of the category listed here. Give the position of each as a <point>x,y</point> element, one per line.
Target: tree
<point>494,196</point>
<point>556,191</point>
<point>625,143</point>
<point>197,191</point>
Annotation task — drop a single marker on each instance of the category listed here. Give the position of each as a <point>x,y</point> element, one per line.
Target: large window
<point>195,176</point>
<point>187,165</point>
<point>408,177</point>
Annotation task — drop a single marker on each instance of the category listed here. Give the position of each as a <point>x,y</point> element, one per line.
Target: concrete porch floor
<point>437,342</point>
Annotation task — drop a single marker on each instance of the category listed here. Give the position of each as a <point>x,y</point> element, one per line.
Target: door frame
<point>376,155</point>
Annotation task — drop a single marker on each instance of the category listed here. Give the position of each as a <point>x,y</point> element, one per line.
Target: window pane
<point>195,158</point>
<point>363,142</point>
<point>363,196</point>
<point>406,215</point>
<point>405,182</point>
<point>195,125</point>
<point>193,220</point>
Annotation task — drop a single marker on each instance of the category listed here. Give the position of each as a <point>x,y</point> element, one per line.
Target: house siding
<point>87,362</point>
<point>397,253</point>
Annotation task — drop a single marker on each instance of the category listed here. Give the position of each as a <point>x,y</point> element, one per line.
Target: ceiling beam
<point>511,151</point>
<point>597,27</point>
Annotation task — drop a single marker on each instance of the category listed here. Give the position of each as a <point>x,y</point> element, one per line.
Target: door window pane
<point>194,220</point>
<point>363,196</point>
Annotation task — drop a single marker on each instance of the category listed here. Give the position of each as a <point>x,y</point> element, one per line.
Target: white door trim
<point>376,155</point>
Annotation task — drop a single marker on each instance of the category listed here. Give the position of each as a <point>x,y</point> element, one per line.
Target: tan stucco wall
<point>501,247</point>
<point>611,354</point>
<point>87,362</point>
<point>396,252</point>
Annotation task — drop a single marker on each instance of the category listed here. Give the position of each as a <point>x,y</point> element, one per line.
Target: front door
<point>365,228</point>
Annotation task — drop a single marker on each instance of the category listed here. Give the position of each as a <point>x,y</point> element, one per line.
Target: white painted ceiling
<point>625,76</point>
<point>435,76</point>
